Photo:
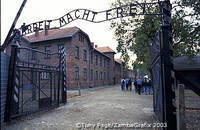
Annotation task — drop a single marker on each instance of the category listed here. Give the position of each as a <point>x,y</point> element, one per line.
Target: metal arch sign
<point>91,16</point>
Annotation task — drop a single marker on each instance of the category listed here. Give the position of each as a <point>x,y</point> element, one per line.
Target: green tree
<point>136,34</point>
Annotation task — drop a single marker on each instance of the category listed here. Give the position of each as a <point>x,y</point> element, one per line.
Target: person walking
<point>135,85</point>
<point>122,84</point>
<point>145,86</point>
<point>126,81</point>
<point>150,87</point>
<point>130,84</point>
<point>139,85</point>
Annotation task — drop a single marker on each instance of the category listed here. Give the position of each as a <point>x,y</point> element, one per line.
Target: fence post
<point>11,102</point>
<point>180,108</point>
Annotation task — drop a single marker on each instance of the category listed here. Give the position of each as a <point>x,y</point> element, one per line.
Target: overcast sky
<point>37,10</point>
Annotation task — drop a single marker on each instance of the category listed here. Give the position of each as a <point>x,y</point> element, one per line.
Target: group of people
<point>141,86</point>
<point>126,84</point>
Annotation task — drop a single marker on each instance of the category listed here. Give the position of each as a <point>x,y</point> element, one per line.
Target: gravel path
<point>95,106</point>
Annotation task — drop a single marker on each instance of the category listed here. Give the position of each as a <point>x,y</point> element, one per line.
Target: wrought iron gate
<point>156,78</point>
<point>163,81</point>
<point>37,81</point>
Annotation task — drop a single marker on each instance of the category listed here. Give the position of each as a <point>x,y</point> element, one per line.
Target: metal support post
<point>167,66</point>
<point>11,83</point>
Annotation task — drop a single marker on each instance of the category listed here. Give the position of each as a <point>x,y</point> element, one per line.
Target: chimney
<point>95,46</point>
<point>36,32</point>
<point>92,43</point>
<point>46,30</point>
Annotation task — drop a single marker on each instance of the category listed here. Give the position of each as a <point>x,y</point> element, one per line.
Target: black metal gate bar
<point>167,66</point>
<point>162,71</point>
<point>169,94</point>
<point>156,78</point>
<point>63,62</point>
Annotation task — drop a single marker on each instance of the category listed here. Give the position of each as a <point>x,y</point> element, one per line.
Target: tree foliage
<point>136,34</point>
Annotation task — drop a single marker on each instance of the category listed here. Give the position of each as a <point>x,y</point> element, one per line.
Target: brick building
<point>86,65</point>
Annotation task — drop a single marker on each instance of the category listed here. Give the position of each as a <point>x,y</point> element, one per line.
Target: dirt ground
<point>106,107</point>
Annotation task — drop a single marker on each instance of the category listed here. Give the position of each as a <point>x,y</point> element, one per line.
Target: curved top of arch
<point>131,9</point>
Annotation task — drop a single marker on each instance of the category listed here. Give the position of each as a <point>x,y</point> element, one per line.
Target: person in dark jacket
<point>145,86</point>
<point>130,84</point>
<point>135,85</point>
<point>139,85</point>
<point>123,84</point>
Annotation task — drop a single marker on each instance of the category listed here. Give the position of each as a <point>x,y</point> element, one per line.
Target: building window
<point>76,73</point>
<point>77,52</point>
<point>91,58</point>
<point>104,63</point>
<point>85,55</point>
<point>96,75</point>
<point>107,75</point>
<point>47,51</point>
<point>91,75</point>
<point>45,75</point>
<point>81,37</point>
<point>85,73</point>
<point>104,76</point>
<point>34,54</point>
<point>101,75</point>
<point>100,61</point>
<point>108,64</point>
<point>96,59</point>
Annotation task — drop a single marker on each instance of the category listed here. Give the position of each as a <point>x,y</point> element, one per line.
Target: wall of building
<point>80,62</point>
<point>96,71</point>
<point>118,73</point>
<point>111,66</point>
<point>100,69</point>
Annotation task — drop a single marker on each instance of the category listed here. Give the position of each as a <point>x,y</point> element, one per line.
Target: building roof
<point>119,61</point>
<point>56,33</point>
<point>101,53</point>
<point>105,49</point>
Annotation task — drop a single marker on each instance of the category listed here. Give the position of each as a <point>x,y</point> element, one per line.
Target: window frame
<point>96,77</point>
<point>76,72</point>
<point>104,76</point>
<point>77,52</point>
<point>91,74</point>
<point>47,56</point>
<point>101,75</point>
<point>101,61</point>
<point>96,59</point>
<point>85,73</point>
<point>85,55</point>
<point>81,37</point>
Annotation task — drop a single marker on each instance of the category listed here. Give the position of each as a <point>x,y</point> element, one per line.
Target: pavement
<point>98,108</point>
